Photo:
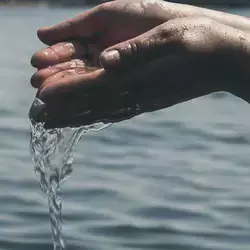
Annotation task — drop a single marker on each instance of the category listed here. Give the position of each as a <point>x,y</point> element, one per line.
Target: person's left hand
<point>174,62</point>
<point>113,22</point>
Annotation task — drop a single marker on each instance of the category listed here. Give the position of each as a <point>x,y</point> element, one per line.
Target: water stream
<point>52,153</point>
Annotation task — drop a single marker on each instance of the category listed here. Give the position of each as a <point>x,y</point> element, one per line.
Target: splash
<point>52,152</point>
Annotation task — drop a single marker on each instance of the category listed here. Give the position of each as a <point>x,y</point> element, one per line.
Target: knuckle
<point>167,30</point>
<point>170,32</point>
<point>133,47</point>
<point>129,48</point>
<point>199,36</point>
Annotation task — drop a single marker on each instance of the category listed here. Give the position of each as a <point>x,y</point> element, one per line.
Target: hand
<point>100,27</point>
<point>186,58</point>
<point>114,22</point>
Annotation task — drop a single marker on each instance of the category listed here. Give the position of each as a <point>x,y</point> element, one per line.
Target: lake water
<point>177,179</point>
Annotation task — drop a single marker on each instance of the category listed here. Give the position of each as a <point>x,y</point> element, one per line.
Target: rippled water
<point>177,179</point>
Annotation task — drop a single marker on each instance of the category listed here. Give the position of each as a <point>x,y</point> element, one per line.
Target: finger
<point>83,25</point>
<point>57,53</point>
<point>158,42</point>
<point>45,74</point>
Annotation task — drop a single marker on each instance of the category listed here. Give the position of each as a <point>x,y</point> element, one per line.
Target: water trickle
<point>52,152</point>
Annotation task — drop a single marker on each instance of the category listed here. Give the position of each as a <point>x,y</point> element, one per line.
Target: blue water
<point>177,179</point>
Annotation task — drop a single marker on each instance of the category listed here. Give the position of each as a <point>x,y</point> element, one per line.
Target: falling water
<point>52,154</point>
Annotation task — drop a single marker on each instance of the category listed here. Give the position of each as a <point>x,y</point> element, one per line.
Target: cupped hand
<point>101,26</point>
<point>88,34</point>
<point>185,58</point>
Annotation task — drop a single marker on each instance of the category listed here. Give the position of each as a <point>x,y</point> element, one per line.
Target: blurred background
<point>176,179</point>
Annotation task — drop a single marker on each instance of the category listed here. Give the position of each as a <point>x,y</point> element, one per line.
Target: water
<point>177,179</point>
<point>52,153</point>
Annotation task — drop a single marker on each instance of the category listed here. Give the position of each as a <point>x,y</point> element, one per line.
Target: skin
<point>113,22</point>
<point>166,54</point>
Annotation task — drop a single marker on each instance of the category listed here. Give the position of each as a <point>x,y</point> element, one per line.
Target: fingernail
<point>110,58</point>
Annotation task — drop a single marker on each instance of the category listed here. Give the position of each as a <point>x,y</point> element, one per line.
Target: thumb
<point>158,42</point>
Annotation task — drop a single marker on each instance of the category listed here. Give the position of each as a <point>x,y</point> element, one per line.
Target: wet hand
<point>171,63</point>
<point>99,28</point>
<point>113,22</point>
